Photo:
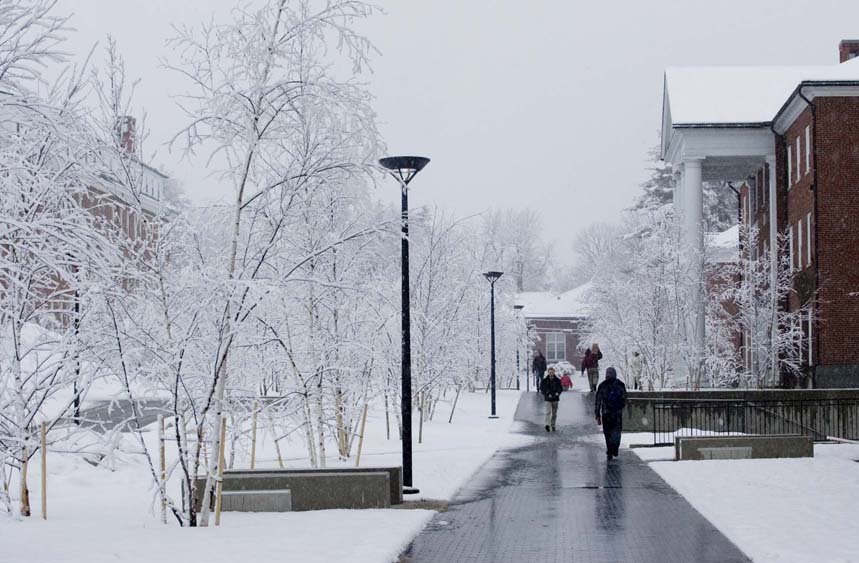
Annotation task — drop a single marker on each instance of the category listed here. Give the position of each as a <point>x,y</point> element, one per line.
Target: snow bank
<point>108,513</point>
<point>786,510</point>
<point>359,536</point>
<point>449,453</point>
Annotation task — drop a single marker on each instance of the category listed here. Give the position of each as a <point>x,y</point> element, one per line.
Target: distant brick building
<point>556,321</point>
<point>790,137</point>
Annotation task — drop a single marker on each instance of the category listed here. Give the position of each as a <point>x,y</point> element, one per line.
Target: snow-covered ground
<point>106,513</point>
<point>775,510</point>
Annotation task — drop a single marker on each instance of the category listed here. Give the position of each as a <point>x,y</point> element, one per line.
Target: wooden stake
<point>162,481</point>
<point>453,408</point>
<point>254,438</point>
<point>361,436</point>
<point>44,433</point>
<point>276,443</point>
<point>220,487</point>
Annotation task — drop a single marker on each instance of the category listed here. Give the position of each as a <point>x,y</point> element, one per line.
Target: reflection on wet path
<point>558,500</point>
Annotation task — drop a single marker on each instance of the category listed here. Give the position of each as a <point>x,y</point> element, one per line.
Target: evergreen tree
<point>659,187</point>
<point>720,201</point>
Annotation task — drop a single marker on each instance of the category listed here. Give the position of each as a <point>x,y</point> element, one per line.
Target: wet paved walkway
<point>560,501</point>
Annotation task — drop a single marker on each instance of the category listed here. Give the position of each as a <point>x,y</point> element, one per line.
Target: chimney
<point>125,132</point>
<point>848,49</point>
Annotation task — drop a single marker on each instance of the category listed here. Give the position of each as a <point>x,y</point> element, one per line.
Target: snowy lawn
<point>106,513</point>
<point>786,510</point>
<point>449,453</point>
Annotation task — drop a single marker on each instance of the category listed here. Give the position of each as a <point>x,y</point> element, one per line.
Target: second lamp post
<point>492,277</point>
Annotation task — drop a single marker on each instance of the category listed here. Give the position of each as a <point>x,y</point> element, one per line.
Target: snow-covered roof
<point>548,305</point>
<point>741,94</point>
<point>724,247</point>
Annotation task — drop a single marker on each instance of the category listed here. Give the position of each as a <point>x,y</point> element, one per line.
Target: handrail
<point>819,418</point>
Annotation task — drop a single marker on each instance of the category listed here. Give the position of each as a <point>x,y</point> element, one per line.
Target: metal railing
<point>822,419</point>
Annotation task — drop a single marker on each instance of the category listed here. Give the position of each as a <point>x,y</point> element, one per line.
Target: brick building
<point>790,137</point>
<point>556,321</point>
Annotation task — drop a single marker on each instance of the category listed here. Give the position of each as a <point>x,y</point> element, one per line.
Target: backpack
<point>614,398</point>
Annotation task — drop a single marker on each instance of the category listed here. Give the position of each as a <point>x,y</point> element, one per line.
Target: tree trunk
<point>25,491</point>
<point>387,417</point>
<point>320,423</point>
<point>421,418</point>
<point>308,432</point>
<point>341,431</point>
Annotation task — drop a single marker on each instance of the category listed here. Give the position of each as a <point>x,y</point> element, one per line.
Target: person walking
<point>591,365</point>
<point>635,369</point>
<point>608,408</point>
<point>551,390</point>
<point>539,367</point>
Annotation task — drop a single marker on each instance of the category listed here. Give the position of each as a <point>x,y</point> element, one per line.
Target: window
<point>808,238</point>
<point>790,245</point>
<point>765,186</point>
<point>810,315</point>
<point>753,197</point>
<point>799,244</point>
<point>808,149</point>
<point>789,170</point>
<point>556,347</point>
<point>794,328</point>
<point>798,160</point>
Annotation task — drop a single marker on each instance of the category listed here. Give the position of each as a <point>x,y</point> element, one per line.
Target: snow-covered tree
<point>54,256</point>
<point>720,202</point>
<point>264,102</point>
<point>642,299</point>
<point>747,285</point>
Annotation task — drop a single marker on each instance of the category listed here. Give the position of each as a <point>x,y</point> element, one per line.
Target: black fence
<point>822,419</point>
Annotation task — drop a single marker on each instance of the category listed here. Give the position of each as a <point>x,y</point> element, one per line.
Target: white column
<point>693,239</point>
<point>679,330</point>
<point>773,260</point>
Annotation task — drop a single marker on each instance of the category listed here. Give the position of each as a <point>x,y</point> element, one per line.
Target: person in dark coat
<point>539,367</point>
<point>608,408</point>
<point>551,390</point>
<point>591,365</point>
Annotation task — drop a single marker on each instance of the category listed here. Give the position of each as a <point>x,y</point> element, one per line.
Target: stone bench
<point>313,490</point>
<point>395,475</point>
<point>256,501</point>
<point>743,447</point>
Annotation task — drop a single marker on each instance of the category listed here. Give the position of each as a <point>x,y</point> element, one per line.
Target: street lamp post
<point>518,309</point>
<point>492,277</point>
<point>404,169</point>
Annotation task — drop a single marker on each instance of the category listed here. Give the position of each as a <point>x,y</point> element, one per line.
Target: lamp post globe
<point>404,169</point>
<point>492,277</point>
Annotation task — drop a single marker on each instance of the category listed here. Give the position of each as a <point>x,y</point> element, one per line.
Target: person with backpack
<point>610,402</point>
<point>551,390</point>
<point>539,367</point>
<point>591,365</point>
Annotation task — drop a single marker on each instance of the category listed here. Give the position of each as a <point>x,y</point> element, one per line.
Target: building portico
<point>702,153</point>
<point>786,135</point>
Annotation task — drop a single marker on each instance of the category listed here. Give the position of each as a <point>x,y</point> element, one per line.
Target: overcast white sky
<point>547,104</point>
